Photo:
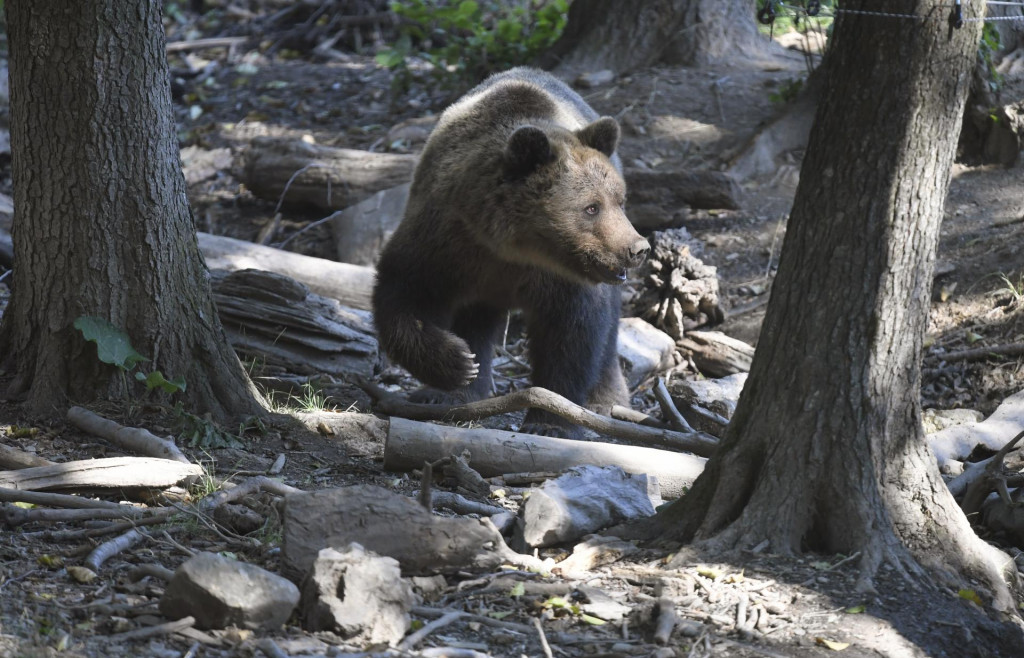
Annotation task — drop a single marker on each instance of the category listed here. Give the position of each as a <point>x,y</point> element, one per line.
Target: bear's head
<point>570,199</point>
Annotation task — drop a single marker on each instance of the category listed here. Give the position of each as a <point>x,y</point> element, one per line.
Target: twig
<point>668,408</point>
<point>633,416</point>
<point>108,549</point>
<point>543,640</point>
<point>698,443</point>
<point>155,570</point>
<point>151,631</point>
<point>410,642</point>
<point>202,44</point>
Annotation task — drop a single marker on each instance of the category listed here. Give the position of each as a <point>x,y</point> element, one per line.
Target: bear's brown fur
<point>516,203</point>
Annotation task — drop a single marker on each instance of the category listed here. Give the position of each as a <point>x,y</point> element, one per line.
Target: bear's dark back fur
<point>515,204</point>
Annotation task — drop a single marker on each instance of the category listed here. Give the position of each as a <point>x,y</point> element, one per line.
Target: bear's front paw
<point>454,366</point>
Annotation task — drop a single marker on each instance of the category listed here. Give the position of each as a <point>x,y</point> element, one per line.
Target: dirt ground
<point>672,117</point>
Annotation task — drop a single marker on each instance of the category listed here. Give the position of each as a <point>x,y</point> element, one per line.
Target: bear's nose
<point>638,251</point>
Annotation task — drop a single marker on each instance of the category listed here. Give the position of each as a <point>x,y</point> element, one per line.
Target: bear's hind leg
<point>478,325</point>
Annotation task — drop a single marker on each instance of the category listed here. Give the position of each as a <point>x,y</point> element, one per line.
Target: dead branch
<point>543,638</point>
<point>15,459</point>
<point>495,452</point>
<point>979,489</point>
<point>982,353</point>
<point>203,44</point>
<point>15,516</point>
<point>462,505</point>
<point>410,641</point>
<point>668,408</point>
<point>540,398</point>
<point>112,472</point>
<point>55,500</point>
<point>640,418</point>
<point>153,631</point>
<point>135,439</point>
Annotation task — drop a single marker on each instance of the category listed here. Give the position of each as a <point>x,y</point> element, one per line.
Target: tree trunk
<point>610,34</point>
<point>826,451</point>
<point>102,226</point>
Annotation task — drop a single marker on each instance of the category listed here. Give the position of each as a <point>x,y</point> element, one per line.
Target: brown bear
<point>516,203</point>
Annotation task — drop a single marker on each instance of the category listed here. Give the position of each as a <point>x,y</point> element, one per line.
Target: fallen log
<point>352,285</point>
<point>656,196</point>
<point>328,178</point>
<point>15,459</point>
<point>274,318</point>
<point>495,452</point>
<point>110,473</point>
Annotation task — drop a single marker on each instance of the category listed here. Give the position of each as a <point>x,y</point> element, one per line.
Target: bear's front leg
<point>477,324</point>
<point>573,334</point>
<point>414,334</point>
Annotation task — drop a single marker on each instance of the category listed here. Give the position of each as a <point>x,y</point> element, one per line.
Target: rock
<point>593,552</point>
<point>716,395</point>
<point>599,604</point>
<point>356,594</point>
<point>939,419</point>
<point>221,592</point>
<point>592,79</point>
<point>200,164</point>
<point>360,231</point>
<point>583,500</point>
<point>238,518</point>
<point>644,350</point>
<point>387,524</point>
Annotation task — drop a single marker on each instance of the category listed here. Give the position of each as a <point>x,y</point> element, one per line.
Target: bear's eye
<point>592,209</point>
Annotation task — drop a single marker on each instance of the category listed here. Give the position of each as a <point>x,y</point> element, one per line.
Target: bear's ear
<point>602,135</point>
<point>527,149</point>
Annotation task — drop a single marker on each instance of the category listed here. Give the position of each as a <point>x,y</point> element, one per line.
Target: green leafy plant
<point>462,42</point>
<point>114,347</point>
<point>988,48</point>
<point>199,432</point>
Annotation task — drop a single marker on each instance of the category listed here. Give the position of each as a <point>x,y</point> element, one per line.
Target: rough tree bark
<point>826,450</point>
<point>102,226</point>
<point>616,35</point>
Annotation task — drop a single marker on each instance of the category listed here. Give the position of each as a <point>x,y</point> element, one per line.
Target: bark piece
<point>388,524</point>
<point>356,594</point>
<point>321,176</point>
<point>352,285</point>
<point>112,472</point>
<point>715,354</point>
<point>657,196</point>
<point>360,231</point>
<point>495,452</point>
<point>994,432</point>
<point>583,500</point>
<point>679,291</point>
<point>276,318</point>
<point>644,350</point>
<point>221,592</point>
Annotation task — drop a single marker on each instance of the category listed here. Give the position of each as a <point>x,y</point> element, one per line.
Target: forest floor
<point>672,117</point>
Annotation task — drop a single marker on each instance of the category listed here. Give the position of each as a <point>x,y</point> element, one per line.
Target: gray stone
<point>356,594</point>
<point>644,350</point>
<point>717,395</point>
<point>221,592</point>
<point>592,79</point>
<point>360,231</point>
<point>583,500</point>
<point>939,419</point>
